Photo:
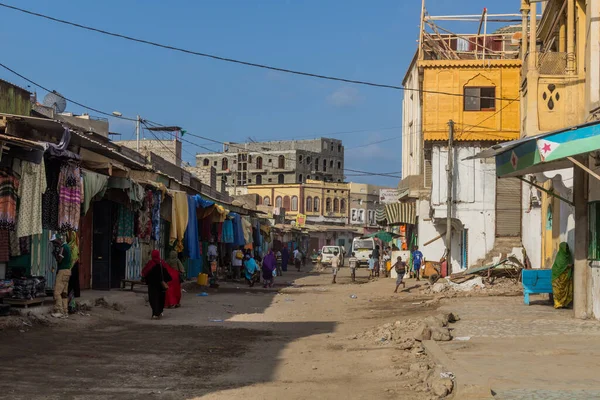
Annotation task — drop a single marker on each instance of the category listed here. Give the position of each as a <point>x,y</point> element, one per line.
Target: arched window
<point>316,164</point>
<point>259,162</point>
<point>294,203</point>
<point>286,203</point>
<point>281,162</point>
<point>267,201</point>
<point>339,165</point>
<point>308,160</point>
<point>309,204</point>
<point>328,205</point>
<point>336,205</point>
<point>316,204</point>
<point>300,178</point>
<point>324,165</point>
<point>280,178</point>
<point>259,179</point>
<point>279,202</point>
<point>307,177</point>
<point>343,206</point>
<point>224,164</point>
<point>206,162</point>
<point>331,164</point>
<point>339,148</point>
<point>300,158</point>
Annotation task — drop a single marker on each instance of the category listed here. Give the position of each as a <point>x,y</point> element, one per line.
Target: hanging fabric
<point>227,236</point>
<point>179,219</point>
<point>94,186</point>
<point>9,186</point>
<point>31,189</point>
<point>144,217</point>
<point>50,196</point>
<point>4,246</point>
<point>156,201</point>
<point>124,229</point>
<point>191,234</point>
<point>69,189</point>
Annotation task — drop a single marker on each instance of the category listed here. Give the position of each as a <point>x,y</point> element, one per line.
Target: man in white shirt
<point>335,265</point>
<point>237,257</point>
<point>212,251</point>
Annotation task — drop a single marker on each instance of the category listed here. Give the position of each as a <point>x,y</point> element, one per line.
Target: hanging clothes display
<point>136,195</point>
<point>124,228</point>
<point>227,235</point>
<point>238,230</point>
<point>191,234</point>
<point>144,217</point>
<point>31,189</point>
<point>4,246</point>
<point>179,219</point>
<point>9,186</point>
<point>69,189</point>
<point>94,185</point>
<point>50,196</point>
<point>156,201</point>
<point>247,229</point>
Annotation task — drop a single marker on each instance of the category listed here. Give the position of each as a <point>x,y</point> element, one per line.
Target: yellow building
<point>320,201</point>
<point>492,111</point>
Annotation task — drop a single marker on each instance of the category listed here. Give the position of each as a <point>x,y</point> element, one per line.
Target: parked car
<point>327,253</point>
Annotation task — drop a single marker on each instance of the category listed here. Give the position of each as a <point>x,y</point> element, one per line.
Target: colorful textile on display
<point>4,246</point>
<point>9,186</point>
<point>157,198</point>
<point>179,212</point>
<point>144,217</point>
<point>50,197</point>
<point>238,232</point>
<point>31,189</point>
<point>227,235</point>
<point>192,245</point>
<point>124,229</point>
<point>69,190</point>
<point>94,185</point>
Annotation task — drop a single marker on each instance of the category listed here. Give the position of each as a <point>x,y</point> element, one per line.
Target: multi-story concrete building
<point>470,79</point>
<point>283,162</point>
<point>364,201</point>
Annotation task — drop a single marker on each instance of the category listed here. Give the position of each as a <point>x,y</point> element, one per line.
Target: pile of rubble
<point>417,372</point>
<point>475,286</point>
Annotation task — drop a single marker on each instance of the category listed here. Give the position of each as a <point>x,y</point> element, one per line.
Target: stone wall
<point>170,150</point>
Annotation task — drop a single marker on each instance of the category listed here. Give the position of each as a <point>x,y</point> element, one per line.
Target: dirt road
<point>297,342</point>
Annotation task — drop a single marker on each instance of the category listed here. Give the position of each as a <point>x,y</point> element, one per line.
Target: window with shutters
<point>427,168</point>
<point>286,203</point>
<point>294,203</point>
<point>594,230</point>
<point>316,204</point>
<point>309,203</point>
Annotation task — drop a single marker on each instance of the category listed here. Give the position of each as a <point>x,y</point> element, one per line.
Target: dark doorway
<point>101,253</point>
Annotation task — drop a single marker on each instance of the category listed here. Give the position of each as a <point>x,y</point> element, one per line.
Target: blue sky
<point>362,40</point>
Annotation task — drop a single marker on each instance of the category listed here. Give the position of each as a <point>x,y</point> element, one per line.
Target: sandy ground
<point>300,341</point>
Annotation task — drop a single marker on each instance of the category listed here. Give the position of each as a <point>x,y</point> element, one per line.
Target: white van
<point>362,248</point>
<point>327,253</point>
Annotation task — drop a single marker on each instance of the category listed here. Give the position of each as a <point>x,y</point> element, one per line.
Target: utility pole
<point>449,170</point>
<point>137,133</point>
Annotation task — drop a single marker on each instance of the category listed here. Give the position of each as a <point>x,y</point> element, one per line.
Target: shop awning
<point>403,212</point>
<point>545,152</point>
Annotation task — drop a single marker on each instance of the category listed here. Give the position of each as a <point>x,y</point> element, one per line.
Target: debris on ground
<point>102,302</point>
<point>471,286</point>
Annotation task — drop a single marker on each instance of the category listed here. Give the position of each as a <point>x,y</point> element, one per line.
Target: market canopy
<point>548,151</point>
<point>397,213</point>
<point>383,236</point>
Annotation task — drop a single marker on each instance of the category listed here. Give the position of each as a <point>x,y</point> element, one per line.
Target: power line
<point>232,60</point>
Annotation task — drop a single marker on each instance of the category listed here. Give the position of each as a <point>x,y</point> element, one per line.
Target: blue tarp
<point>190,239</point>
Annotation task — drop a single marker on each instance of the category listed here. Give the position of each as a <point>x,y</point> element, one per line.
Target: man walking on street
<point>335,265</point>
<point>353,263</point>
<point>417,257</point>
<point>62,253</point>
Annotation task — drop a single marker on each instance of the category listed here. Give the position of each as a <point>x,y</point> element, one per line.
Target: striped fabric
<point>401,213</point>
<point>380,216</point>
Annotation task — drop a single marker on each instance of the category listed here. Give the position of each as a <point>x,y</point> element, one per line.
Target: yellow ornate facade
<point>313,198</point>
<point>489,118</point>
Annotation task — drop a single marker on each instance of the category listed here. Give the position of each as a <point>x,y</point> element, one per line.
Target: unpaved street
<point>297,342</point>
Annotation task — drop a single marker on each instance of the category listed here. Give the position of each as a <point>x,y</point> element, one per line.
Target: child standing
<point>372,262</point>
<point>352,263</point>
<point>400,268</point>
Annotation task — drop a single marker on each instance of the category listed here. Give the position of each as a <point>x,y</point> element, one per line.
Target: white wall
<point>532,225</point>
<point>428,231</point>
<point>412,146</point>
<point>474,200</point>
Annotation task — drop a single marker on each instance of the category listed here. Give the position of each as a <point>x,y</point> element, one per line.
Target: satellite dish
<point>56,101</point>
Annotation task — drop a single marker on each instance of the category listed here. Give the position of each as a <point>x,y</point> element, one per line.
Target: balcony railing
<point>548,63</point>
